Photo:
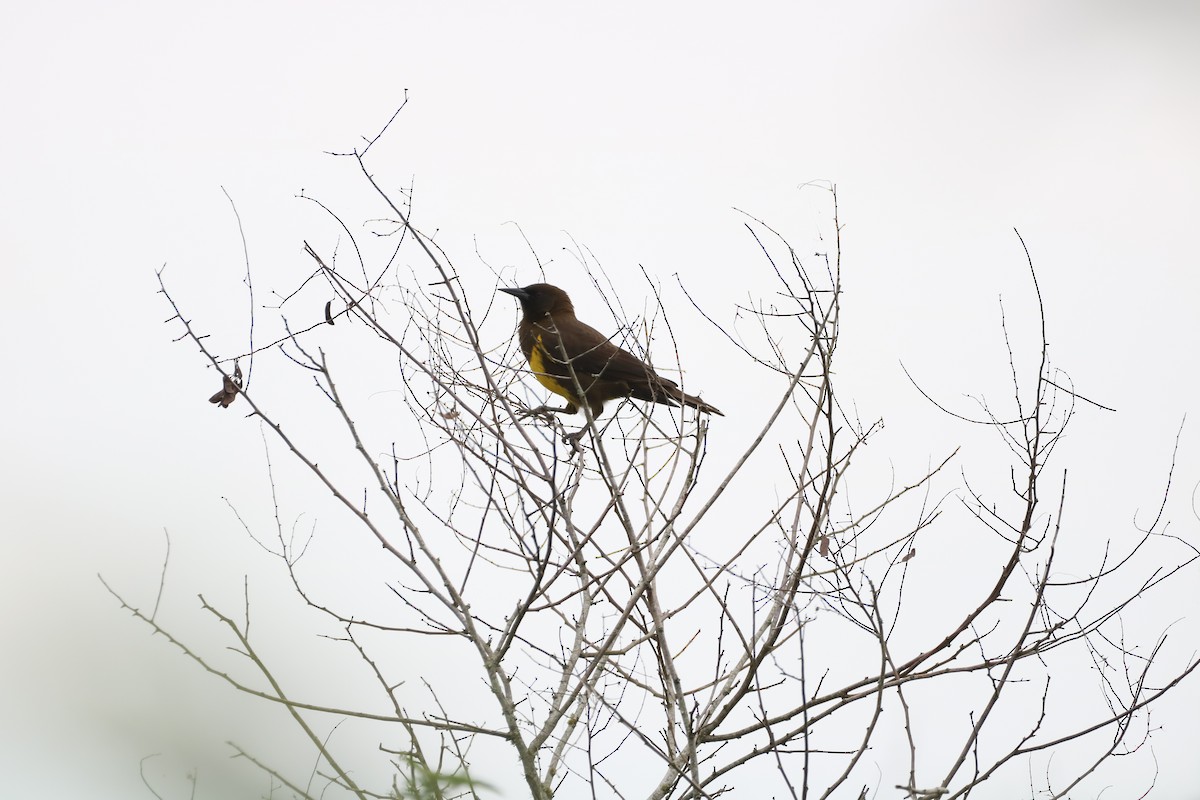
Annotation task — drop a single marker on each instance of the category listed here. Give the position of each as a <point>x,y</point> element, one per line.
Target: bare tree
<point>641,629</point>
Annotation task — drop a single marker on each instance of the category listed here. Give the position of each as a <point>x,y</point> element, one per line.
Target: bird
<point>577,362</point>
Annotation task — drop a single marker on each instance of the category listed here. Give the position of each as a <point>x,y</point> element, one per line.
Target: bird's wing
<point>592,353</point>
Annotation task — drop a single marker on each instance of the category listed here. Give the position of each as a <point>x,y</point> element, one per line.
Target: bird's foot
<point>573,439</point>
<point>545,412</point>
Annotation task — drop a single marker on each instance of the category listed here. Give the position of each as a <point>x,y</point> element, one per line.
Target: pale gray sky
<point>634,129</point>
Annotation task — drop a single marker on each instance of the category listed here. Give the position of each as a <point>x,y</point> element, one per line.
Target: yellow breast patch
<point>537,363</point>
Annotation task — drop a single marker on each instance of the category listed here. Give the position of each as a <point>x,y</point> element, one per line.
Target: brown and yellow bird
<point>576,361</point>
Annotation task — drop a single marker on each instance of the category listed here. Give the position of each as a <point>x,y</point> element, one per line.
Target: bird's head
<point>540,299</point>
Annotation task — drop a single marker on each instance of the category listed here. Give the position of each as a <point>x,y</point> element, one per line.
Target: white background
<point>632,129</point>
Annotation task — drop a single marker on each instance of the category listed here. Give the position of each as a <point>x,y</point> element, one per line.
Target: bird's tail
<point>661,390</point>
<point>698,404</point>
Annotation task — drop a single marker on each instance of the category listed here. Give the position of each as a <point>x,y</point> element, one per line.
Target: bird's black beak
<point>520,294</point>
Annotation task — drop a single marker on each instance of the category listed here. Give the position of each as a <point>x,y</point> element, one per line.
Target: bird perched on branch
<point>576,361</point>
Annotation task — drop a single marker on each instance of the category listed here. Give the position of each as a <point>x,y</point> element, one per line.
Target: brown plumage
<point>567,355</point>
<point>230,386</point>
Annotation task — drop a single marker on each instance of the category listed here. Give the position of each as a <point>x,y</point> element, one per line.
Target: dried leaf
<point>230,386</point>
